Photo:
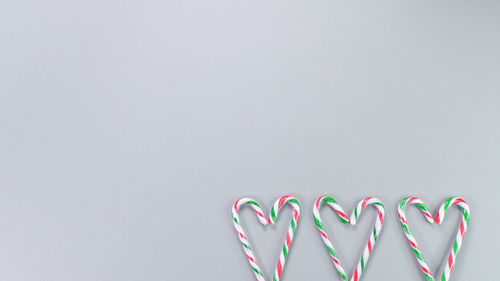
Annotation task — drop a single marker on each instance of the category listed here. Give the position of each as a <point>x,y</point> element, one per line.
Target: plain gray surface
<point>128,129</point>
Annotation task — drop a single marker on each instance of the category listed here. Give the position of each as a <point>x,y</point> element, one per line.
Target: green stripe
<point>318,223</point>
<point>329,200</point>
<point>273,214</point>
<point>332,252</point>
<point>253,203</point>
<point>418,254</point>
<point>293,200</point>
<point>422,207</point>
<point>246,246</point>
<point>402,205</point>
<point>257,271</point>
<point>405,228</point>
<point>285,251</point>
<point>466,216</point>
<point>447,205</point>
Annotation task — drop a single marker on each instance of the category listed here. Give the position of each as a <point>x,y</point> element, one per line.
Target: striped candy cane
<point>353,220</point>
<point>263,221</point>
<point>438,219</point>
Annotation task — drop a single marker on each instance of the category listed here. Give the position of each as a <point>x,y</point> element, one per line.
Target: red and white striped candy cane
<point>263,221</point>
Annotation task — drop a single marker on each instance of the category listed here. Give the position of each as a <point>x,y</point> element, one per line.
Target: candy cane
<point>263,221</point>
<point>353,220</point>
<point>438,219</point>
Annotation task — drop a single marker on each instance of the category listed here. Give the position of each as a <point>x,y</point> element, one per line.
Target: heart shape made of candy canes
<point>263,221</point>
<point>377,227</point>
<point>457,244</point>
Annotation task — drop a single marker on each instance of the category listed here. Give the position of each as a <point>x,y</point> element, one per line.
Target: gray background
<point>128,129</point>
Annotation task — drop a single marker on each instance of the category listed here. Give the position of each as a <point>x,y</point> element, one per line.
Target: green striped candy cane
<point>263,221</point>
<point>457,244</point>
<point>353,220</point>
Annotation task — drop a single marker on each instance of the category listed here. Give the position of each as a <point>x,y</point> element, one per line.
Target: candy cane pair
<point>379,221</point>
<point>457,244</point>
<point>352,220</point>
<point>263,221</point>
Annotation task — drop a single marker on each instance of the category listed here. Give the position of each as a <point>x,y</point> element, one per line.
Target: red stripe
<point>282,200</point>
<point>369,246</point>
<point>381,217</point>
<point>236,205</point>
<point>319,201</point>
<point>342,214</point>
<point>413,245</point>
<point>450,261</point>
<point>428,215</point>
<point>336,261</point>
<point>438,219</point>
<point>260,214</point>
<point>363,205</point>
<point>242,236</point>
<point>250,258</point>
<point>295,215</point>
<point>288,241</point>
<point>411,199</point>
<point>462,229</point>
<point>356,275</point>
<point>425,270</point>
<point>279,269</point>
<point>401,218</point>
